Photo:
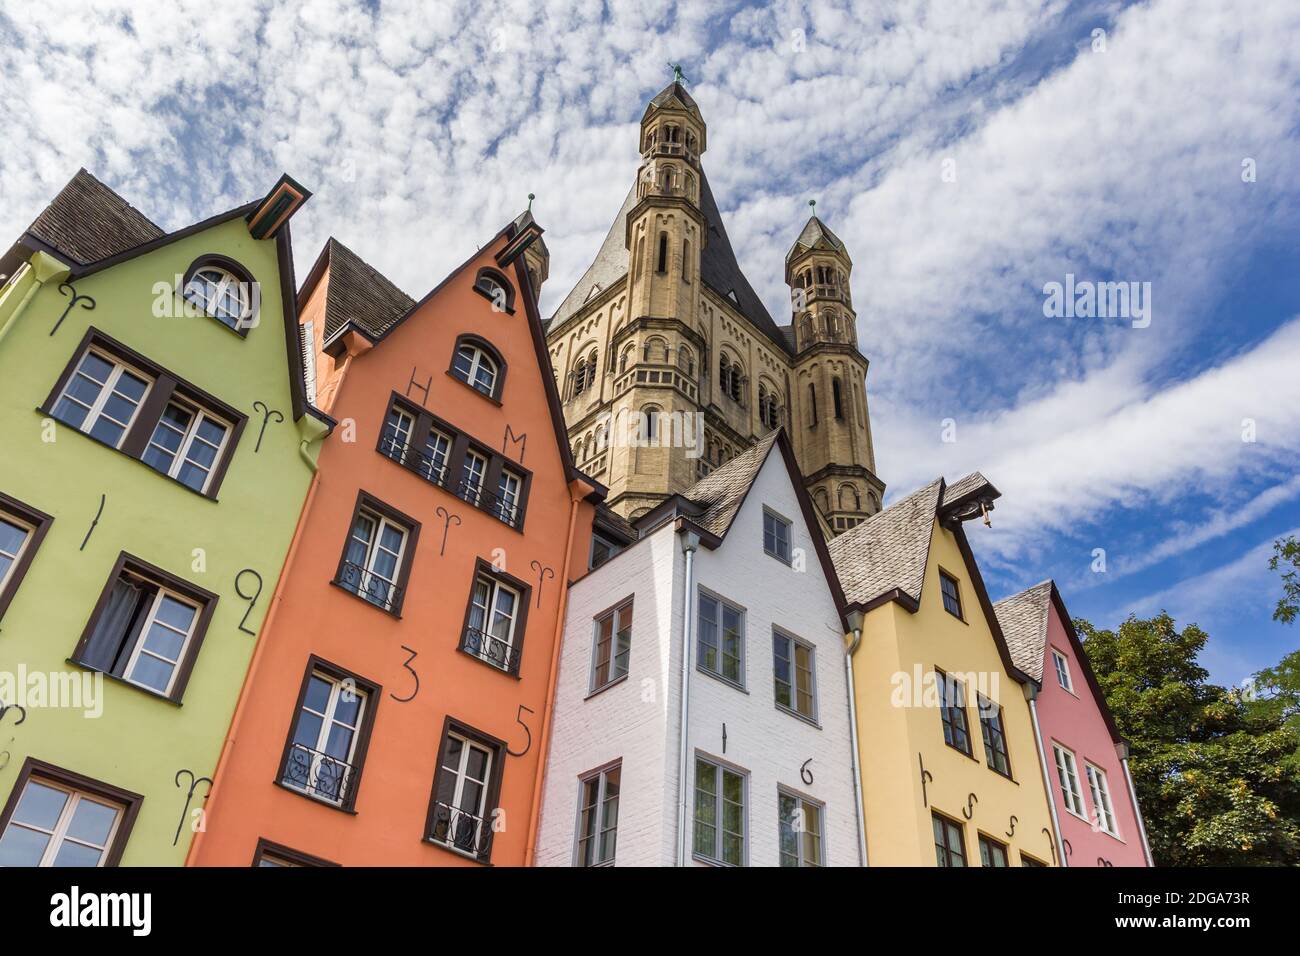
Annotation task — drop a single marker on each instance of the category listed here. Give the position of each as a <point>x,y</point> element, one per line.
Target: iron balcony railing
<point>373,587</point>
<point>319,775</point>
<point>491,650</point>
<point>461,830</point>
<point>437,473</point>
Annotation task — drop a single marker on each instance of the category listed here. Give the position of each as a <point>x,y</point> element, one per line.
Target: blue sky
<point>1112,156</point>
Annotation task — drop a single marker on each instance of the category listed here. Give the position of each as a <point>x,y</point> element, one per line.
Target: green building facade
<point>156,446</point>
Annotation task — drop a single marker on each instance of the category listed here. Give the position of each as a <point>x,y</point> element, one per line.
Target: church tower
<point>664,339</point>
<point>830,424</point>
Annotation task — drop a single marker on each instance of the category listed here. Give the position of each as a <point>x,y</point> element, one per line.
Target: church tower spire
<point>833,432</point>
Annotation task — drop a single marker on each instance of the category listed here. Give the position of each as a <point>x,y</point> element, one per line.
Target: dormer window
<point>477,364</point>
<point>224,291</point>
<point>493,286</point>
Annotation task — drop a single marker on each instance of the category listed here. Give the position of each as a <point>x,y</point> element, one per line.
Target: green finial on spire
<point>813,204</point>
<point>678,75</point>
<point>531,197</point>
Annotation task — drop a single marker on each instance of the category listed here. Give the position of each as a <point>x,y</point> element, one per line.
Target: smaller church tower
<point>829,418</point>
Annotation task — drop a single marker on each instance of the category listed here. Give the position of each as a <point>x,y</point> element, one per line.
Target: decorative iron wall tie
<point>447,518</point>
<point>414,384</point>
<point>804,773</point>
<point>542,574</point>
<point>520,440</point>
<point>189,796</point>
<point>261,406</point>
<point>67,289</point>
<point>103,500</point>
<point>1052,843</point>
<point>519,719</point>
<point>926,778</point>
<point>968,811</point>
<point>407,665</point>
<point>1012,832</point>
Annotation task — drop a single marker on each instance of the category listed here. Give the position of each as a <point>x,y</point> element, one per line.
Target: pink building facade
<point>1094,808</point>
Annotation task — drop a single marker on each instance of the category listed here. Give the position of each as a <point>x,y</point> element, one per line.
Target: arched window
<point>836,398</point>
<point>848,498</point>
<point>672,134</point>
<point>626,358</point>
<point>686,360</point>
<point>600,439</point>
<point>812,404</point>
<point>731,378</point>
<point>496,289</point>
<point>873,502</point>
<point>650,423</point>
<point>768,406</point>
<point>478,365</point>
<point>822,499</point>
<point>222,289</point>
<point>663,253</point>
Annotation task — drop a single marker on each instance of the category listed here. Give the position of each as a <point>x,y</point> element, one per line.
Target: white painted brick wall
<point>637,720</point>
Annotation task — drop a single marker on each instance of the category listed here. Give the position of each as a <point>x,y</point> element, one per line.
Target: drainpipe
<point>44,267</point>
<point>1031,693</point>
<point>690,541</point>
<point>218,775</point>
<point>577,491</point>
<point>1137,808</point>
<point>855,622</point>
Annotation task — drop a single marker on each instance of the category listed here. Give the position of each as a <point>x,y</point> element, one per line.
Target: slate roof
<point>723,490</point>
<point>665,96</point>
<point>965,486</point>
<point>719,269</point>
<point>814,231</point>
<point>1023,618</point>
<point>889,549</point>
<point>359,293</point>
<point>87,222</point>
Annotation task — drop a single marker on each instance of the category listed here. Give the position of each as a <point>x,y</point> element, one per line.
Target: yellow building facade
<point>947,745</point>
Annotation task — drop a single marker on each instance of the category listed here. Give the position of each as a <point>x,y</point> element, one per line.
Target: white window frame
<point>480,476</point>
<point>1103,809</point>
<point>372,551</point>
<point>1067,778</point>
<point>793,643</point>
<point>399,432</point>
<point>600,814</point>
<point>29,532</point>
<point>719,768</point>
<point>459,789</point>
<point>181,456</point>
<point>478,360</point>
<point>150,620</point>
<point>436,444</point>
<point>1063,676</point>
<point>105,391</point>
<point>784,524</point>
<point>801,803</point>
<point>612,615</point>
<point>328,719</point>
<point>211,305</point>
<point>495,587</point>
<point>59,835</point>
<point>510,487</point>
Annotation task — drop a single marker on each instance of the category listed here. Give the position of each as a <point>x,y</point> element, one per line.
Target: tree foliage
<point>1286,557</point>
<point>1217,770</point>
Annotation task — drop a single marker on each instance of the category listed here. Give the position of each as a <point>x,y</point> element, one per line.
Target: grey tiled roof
<point>723,490</point>
<point>87,222</point>
<point>357,292</point>
<point>1023,618</point>
<point>814,231</point>
<point>718,268</point>
<point>964,486</point>
<point>889,549</point>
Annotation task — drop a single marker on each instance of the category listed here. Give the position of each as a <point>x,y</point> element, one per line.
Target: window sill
<point>166,699</point>
<point>720,679</point>
<point>606,686</point>
<point>490,664</point>
<point>810,721</point>
<point>206,496</point>
<point>393,612</point>
<point>473,858</point>
<point>1078,816</point>
<point>479,392</point>
<point>341,808</point>
<point>709,861</point>
<point>772,554</point>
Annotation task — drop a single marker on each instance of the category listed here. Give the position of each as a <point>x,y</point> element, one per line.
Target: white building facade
<point>770,777</point>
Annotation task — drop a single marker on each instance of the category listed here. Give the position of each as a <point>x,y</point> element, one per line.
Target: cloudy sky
<point>968,153</point>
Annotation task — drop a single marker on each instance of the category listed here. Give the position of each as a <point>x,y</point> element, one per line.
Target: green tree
<point>1215,769</point>
<point>1286,555</point>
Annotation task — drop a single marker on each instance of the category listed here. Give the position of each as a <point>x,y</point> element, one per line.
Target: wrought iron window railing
<point>461,830</point>
<point>319,775</point>
<point>503,509</point>
<point>366,584</point>
<point>491,650</point>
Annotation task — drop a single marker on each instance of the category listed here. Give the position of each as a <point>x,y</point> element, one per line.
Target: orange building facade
<point>395,713</point>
